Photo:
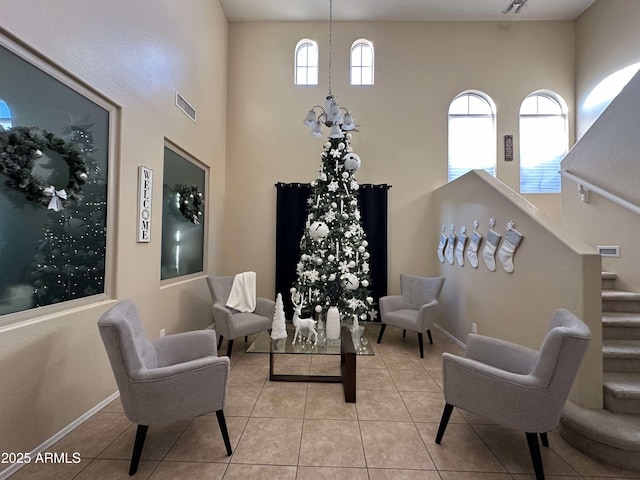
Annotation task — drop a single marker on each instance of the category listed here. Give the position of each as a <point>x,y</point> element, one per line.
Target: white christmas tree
<point>278,328</point>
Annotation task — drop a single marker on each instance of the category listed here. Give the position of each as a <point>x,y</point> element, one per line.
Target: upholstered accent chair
<point>232,324</point>
<point>515,386</point>
<point>414,309</point>
<point>172,378</point>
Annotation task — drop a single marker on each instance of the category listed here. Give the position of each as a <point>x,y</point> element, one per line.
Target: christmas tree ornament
<point>350,281</point>
<point>451,244</point>
<point>472,251</point>
<point>491,245</point>
<point>512,239</point>
<point>442,245</point>
<point>351,162</point>
<point>318,230</point>
<point>462,241</point>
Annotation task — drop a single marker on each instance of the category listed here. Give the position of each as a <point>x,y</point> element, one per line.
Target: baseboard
<point>454,339</point>
<point>4,474</point>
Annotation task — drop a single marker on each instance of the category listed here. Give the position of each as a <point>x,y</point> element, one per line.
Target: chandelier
<point>331,114</point>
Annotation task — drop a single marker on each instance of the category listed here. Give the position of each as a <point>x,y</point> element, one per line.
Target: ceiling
<point>400,10</point>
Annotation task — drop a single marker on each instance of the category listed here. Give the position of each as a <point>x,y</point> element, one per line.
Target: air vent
<point>609,251</point>
<point>183,105</point>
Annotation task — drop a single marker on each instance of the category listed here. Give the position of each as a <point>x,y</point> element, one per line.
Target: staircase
<point>612,435</point>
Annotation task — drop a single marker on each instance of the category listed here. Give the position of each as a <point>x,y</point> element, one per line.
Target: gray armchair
<point>414,309</point>
<point>515,386</point>
<point>232,324</point>
<point>172,378</point>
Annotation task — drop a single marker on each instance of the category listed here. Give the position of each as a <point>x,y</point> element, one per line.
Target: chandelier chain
<point>330,40</point>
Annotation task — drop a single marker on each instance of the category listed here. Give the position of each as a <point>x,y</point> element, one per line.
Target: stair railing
<point>584,187</point>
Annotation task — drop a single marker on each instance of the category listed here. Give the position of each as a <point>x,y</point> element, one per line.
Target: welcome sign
<point>145,190</point>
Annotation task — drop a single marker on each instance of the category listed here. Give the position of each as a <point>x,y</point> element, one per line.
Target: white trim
<point>6,473</point>
<point>454,339</point>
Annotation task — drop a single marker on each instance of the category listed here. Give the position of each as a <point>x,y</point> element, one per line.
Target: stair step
<point>621,348</point>
<point>622,392</point>
<point>619,301</point>
<point>620,325</point>
<point>608,280</point>
<point>612,438</point>
<point>621,355</point>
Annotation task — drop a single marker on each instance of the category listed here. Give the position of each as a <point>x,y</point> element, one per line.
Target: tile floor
<point>305,431</point>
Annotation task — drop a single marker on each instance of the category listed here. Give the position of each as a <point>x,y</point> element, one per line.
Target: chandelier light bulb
<point>316,131</point>
<point>310,119</point>
<point>336,131</point>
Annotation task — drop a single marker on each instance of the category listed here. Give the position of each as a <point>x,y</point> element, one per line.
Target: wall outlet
<point>162,332</point>
<point>474,328</point>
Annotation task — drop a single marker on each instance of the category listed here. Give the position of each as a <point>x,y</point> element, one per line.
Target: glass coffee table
<point>352,342</point>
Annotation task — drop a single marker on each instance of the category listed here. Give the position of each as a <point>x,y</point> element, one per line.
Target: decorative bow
<point>57,196</point>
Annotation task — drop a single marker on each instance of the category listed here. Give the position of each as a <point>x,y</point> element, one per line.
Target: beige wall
<point>54,368</point>
<point>420,68</point>
<point>553,269</point>
<point>607,38</point>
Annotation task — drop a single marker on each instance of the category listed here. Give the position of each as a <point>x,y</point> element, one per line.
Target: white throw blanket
<point>243,292</point>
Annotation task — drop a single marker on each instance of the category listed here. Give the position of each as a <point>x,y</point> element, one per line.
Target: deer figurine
<point>302,323</point>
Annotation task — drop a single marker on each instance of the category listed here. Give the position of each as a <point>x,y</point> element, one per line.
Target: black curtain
<point>290,221</point>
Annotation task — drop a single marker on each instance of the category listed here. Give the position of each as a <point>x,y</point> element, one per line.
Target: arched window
<point>472,134</point>
<point>306,63</point>
<point>544,140</point>
<point>362,62</point>
<point>5,115</point>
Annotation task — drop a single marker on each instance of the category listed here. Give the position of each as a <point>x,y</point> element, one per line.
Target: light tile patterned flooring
<point>306,431</point>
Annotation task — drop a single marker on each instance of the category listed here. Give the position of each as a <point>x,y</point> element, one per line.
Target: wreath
<point>190,201</point>
<point>21,146</point>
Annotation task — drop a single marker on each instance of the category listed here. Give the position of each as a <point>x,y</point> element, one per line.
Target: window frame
<point>306,43</point>
<point>35,314</point>
<point>361,43</point>
<point>493,116</point>
<point>195,162</point>
<point>564,115</point>
<point>4,119</point>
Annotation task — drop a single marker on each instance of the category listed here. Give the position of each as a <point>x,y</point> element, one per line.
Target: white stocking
<point>472,251</point>
<point>489,252</point>
<point>511,241</point>
<point>441,246</point>
<point>462,241</point>
<point>448,252</point>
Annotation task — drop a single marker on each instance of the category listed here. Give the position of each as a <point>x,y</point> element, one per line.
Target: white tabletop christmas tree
<point>278,327</point>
